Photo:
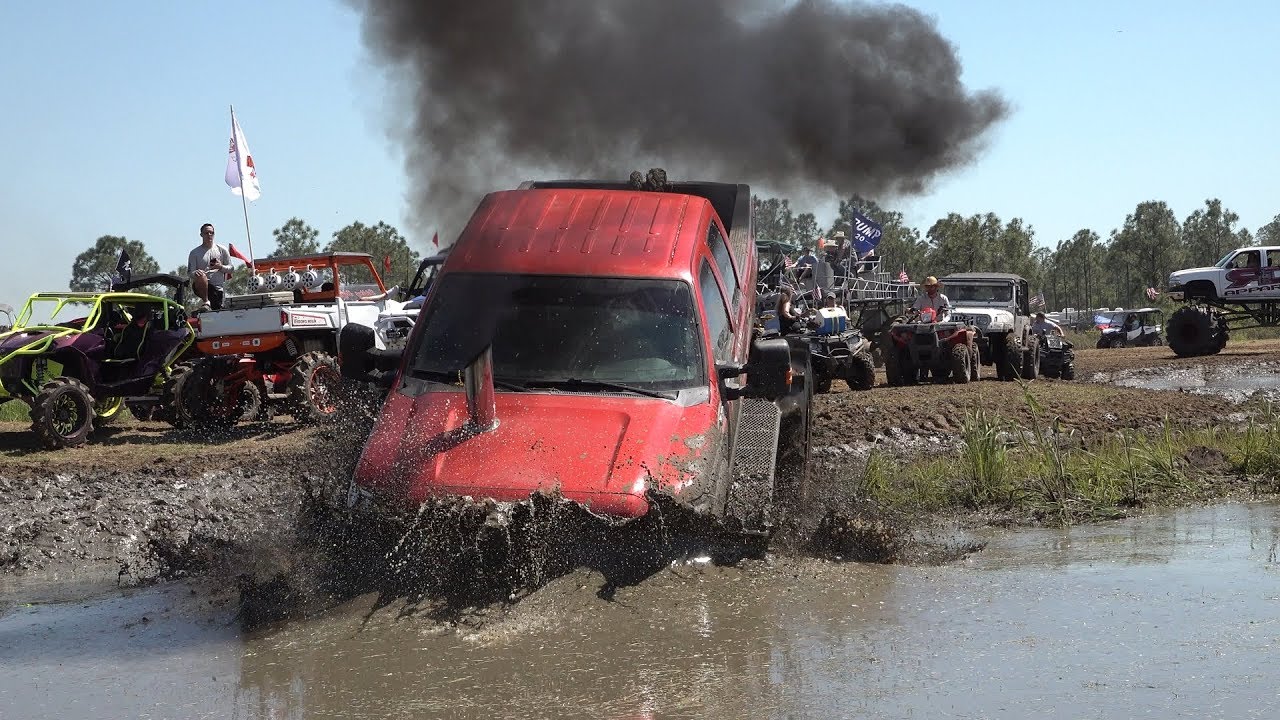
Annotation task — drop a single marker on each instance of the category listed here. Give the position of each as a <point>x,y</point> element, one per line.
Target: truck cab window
<point>720,251</point>
<point>717,315</point>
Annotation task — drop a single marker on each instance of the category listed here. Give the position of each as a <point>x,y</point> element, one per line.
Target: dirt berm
<point>101,510</point>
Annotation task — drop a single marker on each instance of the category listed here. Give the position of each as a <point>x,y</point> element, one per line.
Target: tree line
<point>1083,271</point>
<point>92,270</point>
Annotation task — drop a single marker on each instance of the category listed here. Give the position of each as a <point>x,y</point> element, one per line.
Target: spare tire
<point>1194,330</point>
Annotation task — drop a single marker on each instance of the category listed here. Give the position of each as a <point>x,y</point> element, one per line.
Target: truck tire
<point>1195,330</point>
<point>1031,359</point>
<point>62,414</point>
<point>960,364</point>
<point>862,372</point>
<point>793,461</point>
<point>1008,358</point>
<point>315,384</point>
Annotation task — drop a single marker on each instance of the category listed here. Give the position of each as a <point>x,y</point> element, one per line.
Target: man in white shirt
<point>209,266</point>
<point>933,299</point>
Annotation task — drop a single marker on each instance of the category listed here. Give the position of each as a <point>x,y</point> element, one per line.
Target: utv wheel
<point>170,409</point>
<point>862,372</point>
<point>975,363</point>
<point>107,410</point>
<point>792,473</point>
<point>1119,341</point>
<point>62,414</point>
<point>960,364</point>
<point>1069,372</point>
<point>1031,359</point>
<point>1194,330</point>
<point>315,387</point>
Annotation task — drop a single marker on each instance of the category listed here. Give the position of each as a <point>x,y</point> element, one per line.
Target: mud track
<point>254,508</point>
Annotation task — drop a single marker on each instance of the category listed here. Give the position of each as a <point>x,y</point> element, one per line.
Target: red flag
<point>435,239</point>
<point>239,255</point>
<point>386,263</point>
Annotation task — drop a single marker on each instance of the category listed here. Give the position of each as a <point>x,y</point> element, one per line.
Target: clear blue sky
<point>116,120</point>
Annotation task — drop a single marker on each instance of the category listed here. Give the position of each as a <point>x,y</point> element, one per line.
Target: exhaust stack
<point>477,380</point>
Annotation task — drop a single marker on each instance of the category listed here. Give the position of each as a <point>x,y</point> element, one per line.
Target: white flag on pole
<point>241,174</point>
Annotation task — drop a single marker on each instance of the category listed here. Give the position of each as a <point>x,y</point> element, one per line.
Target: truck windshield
<point>566,331</point>
<point>979,294</point>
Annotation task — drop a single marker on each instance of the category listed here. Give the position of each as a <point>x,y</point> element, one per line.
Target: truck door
<point>1242,275</point>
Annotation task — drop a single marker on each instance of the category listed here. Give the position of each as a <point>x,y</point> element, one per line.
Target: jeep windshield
<point>579,334</point>
<point>975,294</point>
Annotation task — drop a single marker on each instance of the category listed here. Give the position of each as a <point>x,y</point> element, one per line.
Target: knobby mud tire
<point>1031,359</point>
<point>62,414</point>
<point>315,389</point>
<point>1068,371</point>
<point>1194,330</point>
<point>960,364</point>
<point>862,372</point>
<point>107,410</point>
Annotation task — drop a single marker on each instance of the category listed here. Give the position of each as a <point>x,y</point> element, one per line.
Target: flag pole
<point>244,204</point>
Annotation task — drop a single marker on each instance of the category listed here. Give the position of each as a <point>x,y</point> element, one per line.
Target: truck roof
<point>980,276</point>
<point>582,231</point>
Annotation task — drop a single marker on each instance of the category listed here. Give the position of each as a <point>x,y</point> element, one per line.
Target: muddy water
<point>1171,615</point>
<point>1232,383</point>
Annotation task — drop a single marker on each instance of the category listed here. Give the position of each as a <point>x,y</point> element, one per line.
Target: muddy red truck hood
<point>602,451</point>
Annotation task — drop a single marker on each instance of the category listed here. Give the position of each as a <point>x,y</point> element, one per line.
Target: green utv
<point>77,358</point>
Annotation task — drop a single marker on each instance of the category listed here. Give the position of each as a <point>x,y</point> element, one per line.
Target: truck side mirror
<point>768,371</point>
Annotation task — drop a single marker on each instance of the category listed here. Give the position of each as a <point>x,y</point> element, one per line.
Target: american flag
<point>1037,300</point>
<point>788,262</point>
<point>902,276</point>
<point>1152,293</point>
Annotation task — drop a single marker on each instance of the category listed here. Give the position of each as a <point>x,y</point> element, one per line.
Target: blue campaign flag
<point>866,233</point>
<point>1102,321</point>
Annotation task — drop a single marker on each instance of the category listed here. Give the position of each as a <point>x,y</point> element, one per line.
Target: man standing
<point>933,299</point>
<point>209,266</point>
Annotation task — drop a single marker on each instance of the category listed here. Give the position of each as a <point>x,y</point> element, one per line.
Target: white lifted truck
<point>1242,290</point>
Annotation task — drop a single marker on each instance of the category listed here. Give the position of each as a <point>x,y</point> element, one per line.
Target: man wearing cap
<point>932,299</point>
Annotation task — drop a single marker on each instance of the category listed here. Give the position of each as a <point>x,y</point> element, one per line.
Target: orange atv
<point>918,345</point>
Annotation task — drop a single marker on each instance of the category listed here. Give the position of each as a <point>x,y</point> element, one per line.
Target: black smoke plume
<point>812,97</point>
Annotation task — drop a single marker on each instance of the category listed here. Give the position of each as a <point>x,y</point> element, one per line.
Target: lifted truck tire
<point>1195,330</point>
<point>62,414</point>
<point>1031,359</point>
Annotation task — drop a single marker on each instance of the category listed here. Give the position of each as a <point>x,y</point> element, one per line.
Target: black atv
<point>843,355</point>
<point>1057,357</point>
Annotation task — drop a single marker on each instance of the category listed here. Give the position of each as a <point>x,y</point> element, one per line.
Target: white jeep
<point>997,304</point>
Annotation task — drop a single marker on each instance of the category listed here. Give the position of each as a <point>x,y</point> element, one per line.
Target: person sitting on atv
<point>788,318</point>
<point>933,299</point>
<point>1045,326</point>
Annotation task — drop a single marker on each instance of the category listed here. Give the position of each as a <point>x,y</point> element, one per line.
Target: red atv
<point>918,345</point>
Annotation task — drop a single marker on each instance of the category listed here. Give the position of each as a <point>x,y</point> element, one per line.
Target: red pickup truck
<point>598,340</point>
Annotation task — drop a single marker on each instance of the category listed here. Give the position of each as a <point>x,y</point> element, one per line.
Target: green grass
<point>14,411</point>
<point>1052,475</point>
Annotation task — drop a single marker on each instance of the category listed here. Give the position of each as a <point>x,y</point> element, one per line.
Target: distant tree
<point>381,241</point>
<point>1269,234</point>
<point>1150,246</point>
<point>295,238</point>
<point>1208,233</point>
<point>94,268</point>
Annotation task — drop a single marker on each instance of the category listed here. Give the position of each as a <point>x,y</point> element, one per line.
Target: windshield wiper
<point>578,383</point>
<point>454,377</point>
